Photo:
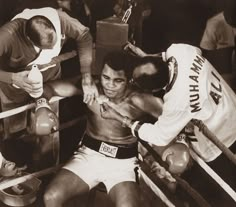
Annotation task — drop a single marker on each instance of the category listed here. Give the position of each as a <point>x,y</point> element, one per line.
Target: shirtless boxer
<point>108,152</point>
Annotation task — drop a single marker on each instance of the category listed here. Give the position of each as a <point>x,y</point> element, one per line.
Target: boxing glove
<point>46,121</point>
<point>177,156</point>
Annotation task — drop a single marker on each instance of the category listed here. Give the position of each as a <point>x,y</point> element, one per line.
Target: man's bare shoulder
<point>141,98</point>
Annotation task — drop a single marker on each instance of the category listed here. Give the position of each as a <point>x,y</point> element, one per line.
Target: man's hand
<point>21,80</point>
<point>161,172</point>
<point>107,112</point>
<point>136,51</point>
<point>89,88</point>
<point>133,50</point>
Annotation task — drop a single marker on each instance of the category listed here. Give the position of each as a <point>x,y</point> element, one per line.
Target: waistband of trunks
<point>118,151</point>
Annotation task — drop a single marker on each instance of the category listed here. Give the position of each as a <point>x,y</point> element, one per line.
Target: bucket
<point>22,194</point>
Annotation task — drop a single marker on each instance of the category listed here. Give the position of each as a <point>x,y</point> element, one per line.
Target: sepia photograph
<point>139,92</point>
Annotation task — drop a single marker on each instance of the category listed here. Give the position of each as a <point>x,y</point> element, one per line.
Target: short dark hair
<point>40,30</point>
<point>154,81</point>
<point>120,60</point>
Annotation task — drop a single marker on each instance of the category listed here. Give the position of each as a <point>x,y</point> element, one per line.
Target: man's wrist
<point>87,79</point>
<point>12,78</point>
<point>6,77</point>
<point>135,128</point>
<point>86,75</point>
<point>42,103</point>
<point>127,122</point>
<point>133,125</point>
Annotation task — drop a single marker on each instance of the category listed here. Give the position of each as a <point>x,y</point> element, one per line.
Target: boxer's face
<point>114,83</point>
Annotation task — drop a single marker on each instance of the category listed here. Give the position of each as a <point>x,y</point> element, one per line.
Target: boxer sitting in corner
<point>108,151</point>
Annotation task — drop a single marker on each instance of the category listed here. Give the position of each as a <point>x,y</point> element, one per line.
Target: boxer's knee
<point>53,196</point>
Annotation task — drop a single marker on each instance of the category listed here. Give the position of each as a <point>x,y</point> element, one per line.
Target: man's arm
<point>75,30</point>
<point>45,120</point>
<point>148,103</point>
<point>161,133</point>
<point>175,154</point>
<point>6,77</point>
<point>136,51</point>
<point>72,28</point>
<point>19,79</point>
<point>63,88</point>
<point>5,47</point>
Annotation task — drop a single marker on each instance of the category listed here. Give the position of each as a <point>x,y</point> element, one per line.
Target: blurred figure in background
<point>77,9</point>
<point>220,29</point>
<point>218,41</point>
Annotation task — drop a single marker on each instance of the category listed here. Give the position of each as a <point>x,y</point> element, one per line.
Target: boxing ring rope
<point>185,185</point>
<point>149,182</point>
<point>203,165</point>
<point>214,175</point>
<point>18,180</point>
<point>42,67</point>
<point>155,189</point>
<point>57,59</point>
<point>204,129</point>
<point>15,181</point>
<point>25,107</point>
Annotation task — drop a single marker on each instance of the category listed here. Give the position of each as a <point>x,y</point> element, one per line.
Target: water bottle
<point>36,75</point>
<point>127,14</point>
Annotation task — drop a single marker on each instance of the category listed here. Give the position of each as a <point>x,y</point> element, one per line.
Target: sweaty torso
<point>112,130</point>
